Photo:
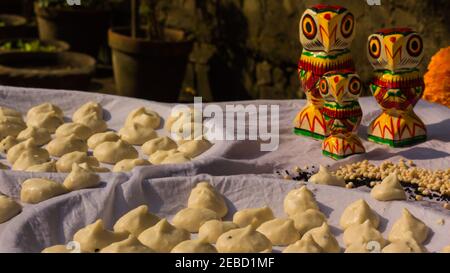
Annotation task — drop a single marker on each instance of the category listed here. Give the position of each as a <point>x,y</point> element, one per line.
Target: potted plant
<point>83,26</point>
<point>32,45</point>
<point>149,60</point>
<point>46,69</point>
<point>12,26</point>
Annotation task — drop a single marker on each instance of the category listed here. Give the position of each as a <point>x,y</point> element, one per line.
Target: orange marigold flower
<point>437,79</point>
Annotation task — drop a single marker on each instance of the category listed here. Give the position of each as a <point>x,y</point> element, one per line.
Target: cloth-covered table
<point>237,168</point>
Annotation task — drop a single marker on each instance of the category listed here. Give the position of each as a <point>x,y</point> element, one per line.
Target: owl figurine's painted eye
<point>414,46</point>
<point>348,23</point>
<point>374,47</point>
<point>309,27</point>
<point>323,87</point>
<point>354,86</point>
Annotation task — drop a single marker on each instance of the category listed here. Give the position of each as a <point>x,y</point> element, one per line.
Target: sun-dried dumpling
<point>9,112</point>
<point>94,237</point>
<point>357,213</point>
<point>408,226</point>
<point>57,249</point>
<point>11,126</point>
<point>15,151</point>
<point>99,138</point>
<point>145,117</point>
<point>8,208</point>
<point>81,177</point>
<point>253,216</point>
<point>7,143</point>
<point>324,238</point>
<point>47,167</point>
<point>136,221</point>
<point>88,109</point>
<point>137,134</point>
<point>79,130</point>
<point>127,165</point>
<point>446,249</point>
<point>163,143</point>
<point>176,158</point>
<point>49,121</point>
<point>191,219</point>
<point>194,246</point>
<point>35,190</point>
<point>67,144</point>
<point>211,230</point>
<point>307,220</point>
<point>41,136</point>
<point>94,122</point>
<point>113,152</point>
<point>325,177</point>
<point>194,148</point>
<point>203,195</point>
<point>163,237</point>
<point>409,245</point>
<point>363,234</point>
<point>389,189</point>
<point>299,200</point>
<point>243,240</point>
<point>158,157</point>
<point>280,232</point>
<point>45,108</point>
<point>178,117</point>
<point>64,164</point>
<point>29,158</point>
<point>305,245</point>
<point>129,245</point>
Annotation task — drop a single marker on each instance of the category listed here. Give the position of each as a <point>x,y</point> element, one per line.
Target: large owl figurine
<point>326,33</point>
<point>342,112</point>
<point>397,86</point>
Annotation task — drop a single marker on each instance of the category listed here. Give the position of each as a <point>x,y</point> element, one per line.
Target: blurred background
<point>172,50</point>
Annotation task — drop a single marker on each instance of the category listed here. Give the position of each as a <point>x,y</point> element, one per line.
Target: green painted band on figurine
<point>398,143</point>
<point>335,156</point>
<point>334,105</point>
<point>303,132</point>
<point>389,72</point>
<point>328,56</point>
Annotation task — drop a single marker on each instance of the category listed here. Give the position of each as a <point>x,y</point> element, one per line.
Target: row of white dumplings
<point>22,141</point>
<point>23,146</point>
<point>252,230</point>
<point>36,190</point>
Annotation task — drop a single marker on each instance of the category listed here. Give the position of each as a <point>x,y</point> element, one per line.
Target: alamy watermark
<point>73,2</point>
<point>228,122</point>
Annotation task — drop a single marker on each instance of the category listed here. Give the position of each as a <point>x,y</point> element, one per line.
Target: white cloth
<point>239,169</point>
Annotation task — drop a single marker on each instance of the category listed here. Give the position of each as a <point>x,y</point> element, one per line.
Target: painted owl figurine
<point>397,86</point>
<point>342,112</point>
<point>326,33</point>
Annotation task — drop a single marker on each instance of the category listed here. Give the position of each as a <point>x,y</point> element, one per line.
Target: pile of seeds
<point>424,181</point>
<point>419,183</point>
<point>299,174</point>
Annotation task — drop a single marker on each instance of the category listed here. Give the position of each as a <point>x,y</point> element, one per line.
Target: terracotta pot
<point>84,29</point>
<point>59,46</point>
<point>56,70</point>
<point>15,26</point>
<point>146,69</point>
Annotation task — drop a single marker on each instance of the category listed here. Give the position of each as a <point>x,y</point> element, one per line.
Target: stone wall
<point>248,49</point>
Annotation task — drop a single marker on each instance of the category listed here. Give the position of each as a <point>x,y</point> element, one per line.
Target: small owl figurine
<point>326,33</point>
<point>342,112</point>
<point>397,86</point>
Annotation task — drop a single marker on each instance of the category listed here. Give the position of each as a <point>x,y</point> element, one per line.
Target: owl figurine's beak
<point>328,31</point>
<point>393,49</point>
<point>338,89</point>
